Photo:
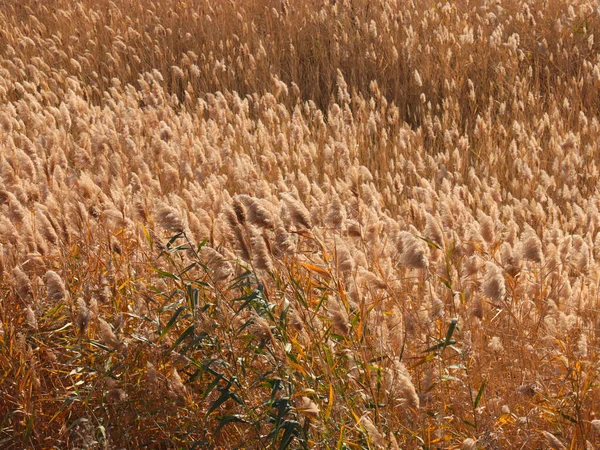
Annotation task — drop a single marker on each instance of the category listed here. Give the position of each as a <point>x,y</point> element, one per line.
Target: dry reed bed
<point>314,225</point>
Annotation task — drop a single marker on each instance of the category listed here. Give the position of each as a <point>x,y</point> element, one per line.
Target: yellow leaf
<point>297,367</point>
<point>124,284</point>
<point>341,439</point>
<point>316,269</point>
<point>147,235</point>
<point>330,402</point>
<point>506,418</point>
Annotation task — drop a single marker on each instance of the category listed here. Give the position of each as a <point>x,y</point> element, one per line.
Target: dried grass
<point>277,224</point>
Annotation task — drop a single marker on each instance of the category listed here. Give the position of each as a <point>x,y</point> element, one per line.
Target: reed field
<point>299,224</point>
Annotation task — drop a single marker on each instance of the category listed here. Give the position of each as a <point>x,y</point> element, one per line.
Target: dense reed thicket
<point>299,224</point>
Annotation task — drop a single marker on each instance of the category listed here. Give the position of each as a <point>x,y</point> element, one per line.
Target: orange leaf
<point>316,269</point>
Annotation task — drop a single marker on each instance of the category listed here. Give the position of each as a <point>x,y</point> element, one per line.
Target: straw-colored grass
<point>299,224</point>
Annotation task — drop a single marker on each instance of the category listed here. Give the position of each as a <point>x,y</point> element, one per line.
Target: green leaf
<point>275,385</point>
<point>569,418</point>
<point>479,394</point>
<point>100,345</point>
<point>283,407</point>
<point>225,395</point>
<point>234,418</point>
<point>77,422</point>
<point>213,384</point>
<point>291,428</point>
<point>172,320</point>
<point>194,343</point>
<point>181,247</point>
<point>174,238</point>
<point>446,283</point>
<point>442,344</point>
<point>472,425</point>
<point>164,274</point>
<point>193,295</point>
<point>430,243</point>
<point>241,281</point>
<point>450,332</point>
<point>250,299</point>
<point>187,269</point>
<point>187,333</point>
<point>201,244</point>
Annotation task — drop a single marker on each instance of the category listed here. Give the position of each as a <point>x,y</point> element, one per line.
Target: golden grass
<point>313,224</point>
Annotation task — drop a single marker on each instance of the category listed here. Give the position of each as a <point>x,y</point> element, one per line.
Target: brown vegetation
<point>299,224</point>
